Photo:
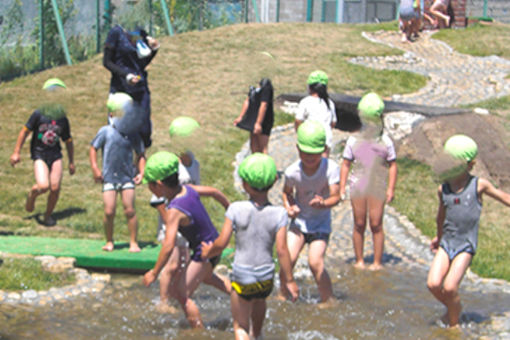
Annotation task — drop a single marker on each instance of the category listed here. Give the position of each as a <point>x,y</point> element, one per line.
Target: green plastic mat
<point>88,253</point>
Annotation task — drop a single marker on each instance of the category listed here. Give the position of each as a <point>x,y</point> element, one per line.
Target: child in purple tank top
<point>186,214</point>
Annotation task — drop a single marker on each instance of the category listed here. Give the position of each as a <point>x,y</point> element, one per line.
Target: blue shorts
<point>452,253</point>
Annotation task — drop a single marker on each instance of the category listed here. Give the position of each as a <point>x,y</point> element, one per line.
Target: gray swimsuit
<point>460,228</point>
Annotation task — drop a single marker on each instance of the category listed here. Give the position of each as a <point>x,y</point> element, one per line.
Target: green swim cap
<point>371,105</point>
<point>118,101</point>
<point>311,137</point>
<point>53,83</point>
<point>318,77</point>
<point>461,147</point>
<point>182,126</point>
<point>160,166</point>
<point>258,170</point>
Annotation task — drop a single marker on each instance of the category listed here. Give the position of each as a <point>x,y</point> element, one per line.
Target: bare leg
<point>375,216</point>
<point>263,143</point>
<point>254,143</point>
<point>451,285</point>
<point>55,180</point>
<point>295,242</point>
<point>169,276</point>
<point>316,253</point>
<point>219,282</point>
<point>109,200</point>
<point>438,10</point>
<point>128,201</point>
<point>42,183</point>
<point>258,314</point>
<point>241,310</point>
<point>359,211</point>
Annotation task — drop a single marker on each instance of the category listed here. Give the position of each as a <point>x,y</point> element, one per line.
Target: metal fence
<point>28,43</point>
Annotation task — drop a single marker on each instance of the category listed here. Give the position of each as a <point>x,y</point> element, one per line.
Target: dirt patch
<point>490,133</point>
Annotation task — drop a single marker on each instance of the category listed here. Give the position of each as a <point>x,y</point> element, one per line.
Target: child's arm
<point>484,186</point>
<point>243,111</point>
<point>344,172</point>
<point>70,155</point>
<point>22,136</point>
<point>434,244</point>
<point>171,219</point>
<point>96,173</point>
<point>392,180</point>
<point>141,168</point>
<point>257,128</point>
<point>329,202</point>
<point>212,192</point>
<point>289,203</point>
<point>282,251</point>
<point>212,249</point>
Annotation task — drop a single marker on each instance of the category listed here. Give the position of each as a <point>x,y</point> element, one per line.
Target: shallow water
<point>391,304</point>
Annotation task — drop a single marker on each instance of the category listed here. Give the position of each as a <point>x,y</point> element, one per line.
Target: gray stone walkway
<point>454,79</point>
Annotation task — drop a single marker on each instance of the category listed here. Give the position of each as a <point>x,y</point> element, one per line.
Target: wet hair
<point>171,181</point>
<point>321,90</point>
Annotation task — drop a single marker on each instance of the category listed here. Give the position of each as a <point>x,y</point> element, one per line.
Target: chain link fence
<point>27,46</point>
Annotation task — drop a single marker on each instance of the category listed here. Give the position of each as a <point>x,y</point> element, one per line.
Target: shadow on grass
<point>59,215</point>
<point>142,245</point>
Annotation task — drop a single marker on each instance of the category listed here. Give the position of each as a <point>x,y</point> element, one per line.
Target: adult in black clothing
<point>126,55</point>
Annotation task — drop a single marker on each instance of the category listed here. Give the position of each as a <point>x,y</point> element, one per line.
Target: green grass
<point>24,274</point>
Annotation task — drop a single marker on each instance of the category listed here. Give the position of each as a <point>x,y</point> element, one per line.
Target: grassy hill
<point>204,75</point>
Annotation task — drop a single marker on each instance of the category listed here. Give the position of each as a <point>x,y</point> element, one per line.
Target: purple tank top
<point>201,227</point>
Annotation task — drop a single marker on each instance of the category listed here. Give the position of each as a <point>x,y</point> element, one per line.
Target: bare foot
<point>30,203</point>
<point>375,267</point>
<point>360,265</point>
<point>328,304</point>
<point>49,221</point>
<point>280,297</point>
<point>165,308</point>
<point>134,248</point>
<point>404,38</point>
<point>108,246</point>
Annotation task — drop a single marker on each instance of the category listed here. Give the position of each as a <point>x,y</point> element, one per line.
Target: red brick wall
<point>458,8</point>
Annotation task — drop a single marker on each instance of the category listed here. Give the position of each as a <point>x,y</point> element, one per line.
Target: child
<point>117,142</point>
<point>372,154</point>
<point>189,173</point>
<point>257,115</point>
<point>458,216</point>
<point>310,191</point>
<point>48,125</point>
<point>409,19</point>
<point>257,224</point>
<point>318,106</point>
<point>186,214</point>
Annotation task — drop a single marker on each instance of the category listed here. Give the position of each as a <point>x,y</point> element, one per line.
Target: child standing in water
<point>458,217</point>
<point>318,106</point>
<point>373,155</point>
<point>257,225</point>
<point>310,190</point>
<point>184,213</point>
<point>48,125</point>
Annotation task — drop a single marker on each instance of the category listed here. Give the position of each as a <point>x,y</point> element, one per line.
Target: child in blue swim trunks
<point>184,213</point>
<point>458,216</point>
<point>258,225</point>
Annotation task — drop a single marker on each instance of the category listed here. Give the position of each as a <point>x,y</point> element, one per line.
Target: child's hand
<point>149,278</point>
<point>138,179</point>
<point>98,177</point>
<point>237,120</point>
<point>434,244</point>
<point>257,129</point>
<point>72,169</point>
<point>15,158</point>
<point>293,289</point>
<point>317,202</point>
<point>206,248</point>
<point>389,195</point>
<point>293,211</point>
<point>153,43</point>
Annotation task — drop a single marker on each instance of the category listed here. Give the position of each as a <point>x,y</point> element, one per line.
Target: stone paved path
<point>454,79</point>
